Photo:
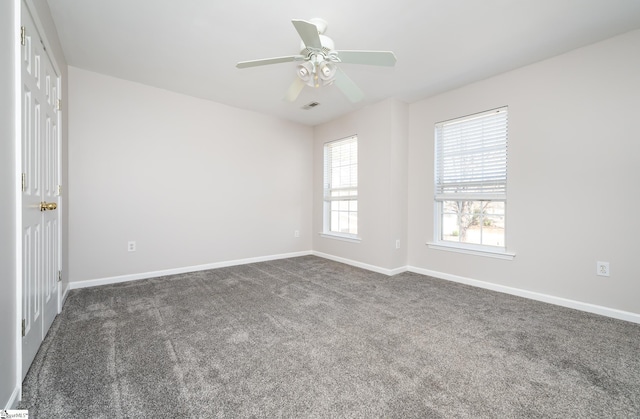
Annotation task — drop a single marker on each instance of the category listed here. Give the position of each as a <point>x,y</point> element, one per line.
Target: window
<point>341,188</point>
<point>471,181</point>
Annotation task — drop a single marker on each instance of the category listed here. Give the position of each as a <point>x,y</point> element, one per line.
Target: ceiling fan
<point>319,61</point>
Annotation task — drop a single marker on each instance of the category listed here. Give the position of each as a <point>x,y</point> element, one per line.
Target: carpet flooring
<point>307,337</point>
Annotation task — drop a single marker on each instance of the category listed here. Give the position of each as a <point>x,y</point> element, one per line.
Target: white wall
<point>193,182</point>
<point>382,184</point>
<point>8,183</point>
<point>573,178</point>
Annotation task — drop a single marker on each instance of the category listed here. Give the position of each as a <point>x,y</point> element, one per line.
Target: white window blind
<point>471,157</point>
<point>341,169</point>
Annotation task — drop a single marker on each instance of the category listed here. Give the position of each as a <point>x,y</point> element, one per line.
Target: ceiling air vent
<point>310,105</point>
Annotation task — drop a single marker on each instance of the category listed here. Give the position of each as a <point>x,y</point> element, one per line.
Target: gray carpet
<point>308,337</point>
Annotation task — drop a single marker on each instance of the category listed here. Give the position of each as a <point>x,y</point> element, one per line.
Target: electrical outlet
<point>131,246</point>
<point>397,244</point>
<point>602,268</point>
<point>296,233</point>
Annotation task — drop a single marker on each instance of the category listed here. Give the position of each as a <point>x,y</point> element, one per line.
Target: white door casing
<point>40,151</point>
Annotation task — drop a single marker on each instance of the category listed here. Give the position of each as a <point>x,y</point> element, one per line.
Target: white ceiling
<point>192,46</point>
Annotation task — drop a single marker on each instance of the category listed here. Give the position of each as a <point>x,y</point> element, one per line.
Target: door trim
<point>17,74</point>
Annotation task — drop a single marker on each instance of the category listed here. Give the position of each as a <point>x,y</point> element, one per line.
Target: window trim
<point>341,236</point>
<point>438,243</point>
<point>473,249</point>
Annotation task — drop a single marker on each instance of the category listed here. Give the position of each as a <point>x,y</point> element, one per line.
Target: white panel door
<point>50,165</point>
<point>40,178</point>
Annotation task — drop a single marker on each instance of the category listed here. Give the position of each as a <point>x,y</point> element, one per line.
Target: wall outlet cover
<point>602,268</point>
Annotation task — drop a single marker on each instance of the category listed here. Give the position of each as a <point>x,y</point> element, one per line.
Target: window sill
<point>345,238</point>
<point>497,254</point>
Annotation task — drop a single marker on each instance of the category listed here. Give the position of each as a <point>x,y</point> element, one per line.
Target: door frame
<point>30,6</point>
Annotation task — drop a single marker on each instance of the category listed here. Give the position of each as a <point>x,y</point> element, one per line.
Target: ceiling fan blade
<point>294,90</point>
<point>348,87</point>
<point>308,32</point>
<point>267,61</point>
<point>384,58</point>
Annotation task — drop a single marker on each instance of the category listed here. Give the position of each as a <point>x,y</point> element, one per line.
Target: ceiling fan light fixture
<point>305,71</point>
<point>327,70</point>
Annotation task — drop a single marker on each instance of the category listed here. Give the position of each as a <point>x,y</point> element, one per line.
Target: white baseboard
<point>145,275</point>
<point>65,294</point>
<point>532,295</point>
<point>559,301</point>
<point>564,302</point>
<point>12,403</point>
<point>385,271</point>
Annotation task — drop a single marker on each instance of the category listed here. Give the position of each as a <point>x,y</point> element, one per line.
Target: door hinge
<point>59,276</point>
<point>59,105</point>
<point>23,35</point>
<point>24,326</point>
<point>59,190</point>
<point>24,182</point>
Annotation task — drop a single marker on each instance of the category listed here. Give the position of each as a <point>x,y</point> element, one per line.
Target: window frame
<point>489,188</point>
<point>351,191</point>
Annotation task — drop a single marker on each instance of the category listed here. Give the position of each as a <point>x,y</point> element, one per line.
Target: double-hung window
<point>471,181</point>
<point>341,188</point>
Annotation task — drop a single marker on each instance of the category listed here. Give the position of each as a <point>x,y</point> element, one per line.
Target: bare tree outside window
<point>476,222</point>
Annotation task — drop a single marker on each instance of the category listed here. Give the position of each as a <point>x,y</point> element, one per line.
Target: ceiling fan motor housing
<point>327,45</point>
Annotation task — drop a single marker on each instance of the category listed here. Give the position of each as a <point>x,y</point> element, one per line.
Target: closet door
<point>40,190</point>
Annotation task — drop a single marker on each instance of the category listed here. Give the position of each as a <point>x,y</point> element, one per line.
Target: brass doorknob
<point>44,206</point>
